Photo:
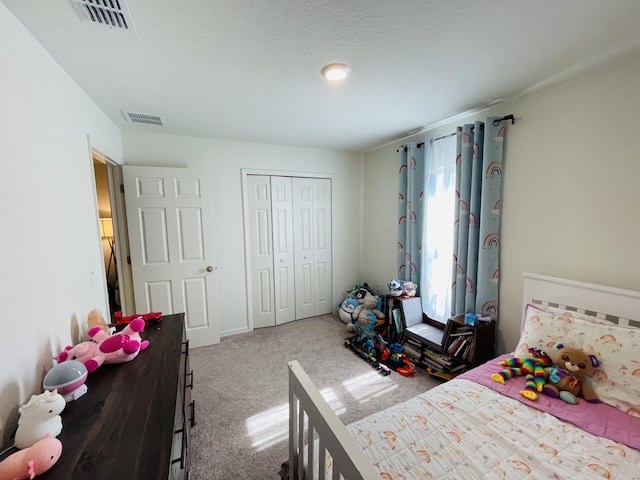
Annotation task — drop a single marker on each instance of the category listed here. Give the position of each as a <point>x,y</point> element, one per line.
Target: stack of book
<point>460,344</point>
<point>440,365</point>
<point>412,350</point>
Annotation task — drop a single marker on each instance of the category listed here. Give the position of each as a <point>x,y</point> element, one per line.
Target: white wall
<point>50,241</point>
<point>571,199</point>
<point>225,160</point>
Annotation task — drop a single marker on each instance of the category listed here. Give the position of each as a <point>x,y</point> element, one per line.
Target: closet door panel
<point>322,245</point>
<point>283,255</point>
<point>303,246</point>
<point>261,250</point>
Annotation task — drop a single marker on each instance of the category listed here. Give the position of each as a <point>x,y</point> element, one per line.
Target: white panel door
<point>283,258</point>
<point>321,190</point>
<point>303,246</point>
<point>312,245</point>
<point>261,250</point>
<point>170,223</point>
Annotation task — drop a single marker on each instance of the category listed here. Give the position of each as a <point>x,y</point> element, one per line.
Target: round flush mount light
<point>335,71</point>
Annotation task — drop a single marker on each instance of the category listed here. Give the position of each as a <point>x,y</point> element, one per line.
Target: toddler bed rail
<point>313,422</point>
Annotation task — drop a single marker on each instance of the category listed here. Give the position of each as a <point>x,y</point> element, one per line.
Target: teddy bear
<point>531,367</point>
<point>366,315</point>
<point>566,377</point>
<point>104,348</point>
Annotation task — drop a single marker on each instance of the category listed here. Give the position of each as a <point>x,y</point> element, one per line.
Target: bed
<point>475,428</point>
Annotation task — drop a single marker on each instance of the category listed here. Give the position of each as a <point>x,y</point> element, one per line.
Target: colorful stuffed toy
<point>531,367</point>
<point>31,461</point>
<point>566,378</point>
<point>104,348</point>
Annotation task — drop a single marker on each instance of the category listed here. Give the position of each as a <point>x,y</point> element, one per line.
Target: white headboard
<point>614,304</point>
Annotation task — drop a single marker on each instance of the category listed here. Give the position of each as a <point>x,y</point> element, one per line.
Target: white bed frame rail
<point>310,414</point>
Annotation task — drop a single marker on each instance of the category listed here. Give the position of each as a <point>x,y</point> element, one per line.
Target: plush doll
<point>32,461</point>
<point>566,377</point>
<point>104,348</point>
<point>531,367</point>
<point>366,315</point>
<point>395,287</point>
<point>39,417</point>
<point>409,289</point>
<point>346,310</point>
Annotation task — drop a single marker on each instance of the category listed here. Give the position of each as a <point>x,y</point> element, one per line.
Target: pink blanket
<point>596,418</point>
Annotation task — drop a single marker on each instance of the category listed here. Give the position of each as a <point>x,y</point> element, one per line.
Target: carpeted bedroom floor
<point>240,392</point>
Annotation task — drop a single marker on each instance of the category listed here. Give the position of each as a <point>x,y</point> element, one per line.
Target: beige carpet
<point>240,390</point>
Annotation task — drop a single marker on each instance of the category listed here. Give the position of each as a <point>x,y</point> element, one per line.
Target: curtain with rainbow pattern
<point>476,266</point>
<point>410,218</point>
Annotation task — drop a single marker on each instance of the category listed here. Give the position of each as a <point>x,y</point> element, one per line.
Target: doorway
<point>108,237</point>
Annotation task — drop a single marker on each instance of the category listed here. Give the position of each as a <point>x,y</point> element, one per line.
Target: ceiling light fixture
<point>335,71</point>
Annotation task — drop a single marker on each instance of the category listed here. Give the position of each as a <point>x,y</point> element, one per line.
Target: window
<point>439,213</point>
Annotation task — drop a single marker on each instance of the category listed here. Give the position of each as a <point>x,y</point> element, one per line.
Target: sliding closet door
<point>261,249</point>
<point>283,266</point>
<point>312,244</point>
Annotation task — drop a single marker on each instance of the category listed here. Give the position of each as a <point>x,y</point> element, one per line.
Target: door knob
<point>209,268</point>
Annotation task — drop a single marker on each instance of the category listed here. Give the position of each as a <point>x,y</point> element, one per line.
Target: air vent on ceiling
<point>145,118</point>
<point>106,13</point>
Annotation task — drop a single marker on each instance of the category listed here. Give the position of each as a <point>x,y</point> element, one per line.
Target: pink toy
<point>104,348</point>
<point>31,461</point>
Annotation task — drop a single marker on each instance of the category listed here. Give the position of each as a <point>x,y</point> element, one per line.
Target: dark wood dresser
<point>134,421</point>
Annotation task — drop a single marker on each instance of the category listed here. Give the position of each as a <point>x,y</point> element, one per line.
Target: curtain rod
<point>496,122</point>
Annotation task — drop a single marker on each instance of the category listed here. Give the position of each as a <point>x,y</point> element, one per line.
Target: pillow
<point>617,380</point>
<point>563,312</point>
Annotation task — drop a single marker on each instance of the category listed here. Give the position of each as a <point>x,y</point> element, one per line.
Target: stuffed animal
<point>395,287</point>
<point>32,461</point>
<point>409,289</point>
<point>39,417</point>
<point>366,315</point>
<point>104,348</point>
<point>346,309</point>
<point>531,367</point>
<point>565,380</point>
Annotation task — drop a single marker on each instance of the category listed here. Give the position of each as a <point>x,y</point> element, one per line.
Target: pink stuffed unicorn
<point>104,348</point>
<point>32,461</point>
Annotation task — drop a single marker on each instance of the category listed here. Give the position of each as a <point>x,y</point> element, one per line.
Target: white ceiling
<point>249,70</point>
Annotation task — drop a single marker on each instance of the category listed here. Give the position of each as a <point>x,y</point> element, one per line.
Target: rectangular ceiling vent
<point>145,118</point>
<point>105,13</point>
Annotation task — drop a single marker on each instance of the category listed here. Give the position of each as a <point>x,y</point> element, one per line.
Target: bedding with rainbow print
<point>465,430</point>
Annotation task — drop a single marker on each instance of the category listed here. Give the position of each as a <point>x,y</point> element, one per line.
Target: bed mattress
<point>464,430</point>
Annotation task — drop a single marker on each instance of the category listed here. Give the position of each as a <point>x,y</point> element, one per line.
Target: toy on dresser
<point>31,461</point>
<point>104,348</point>
<point>39,417</point>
